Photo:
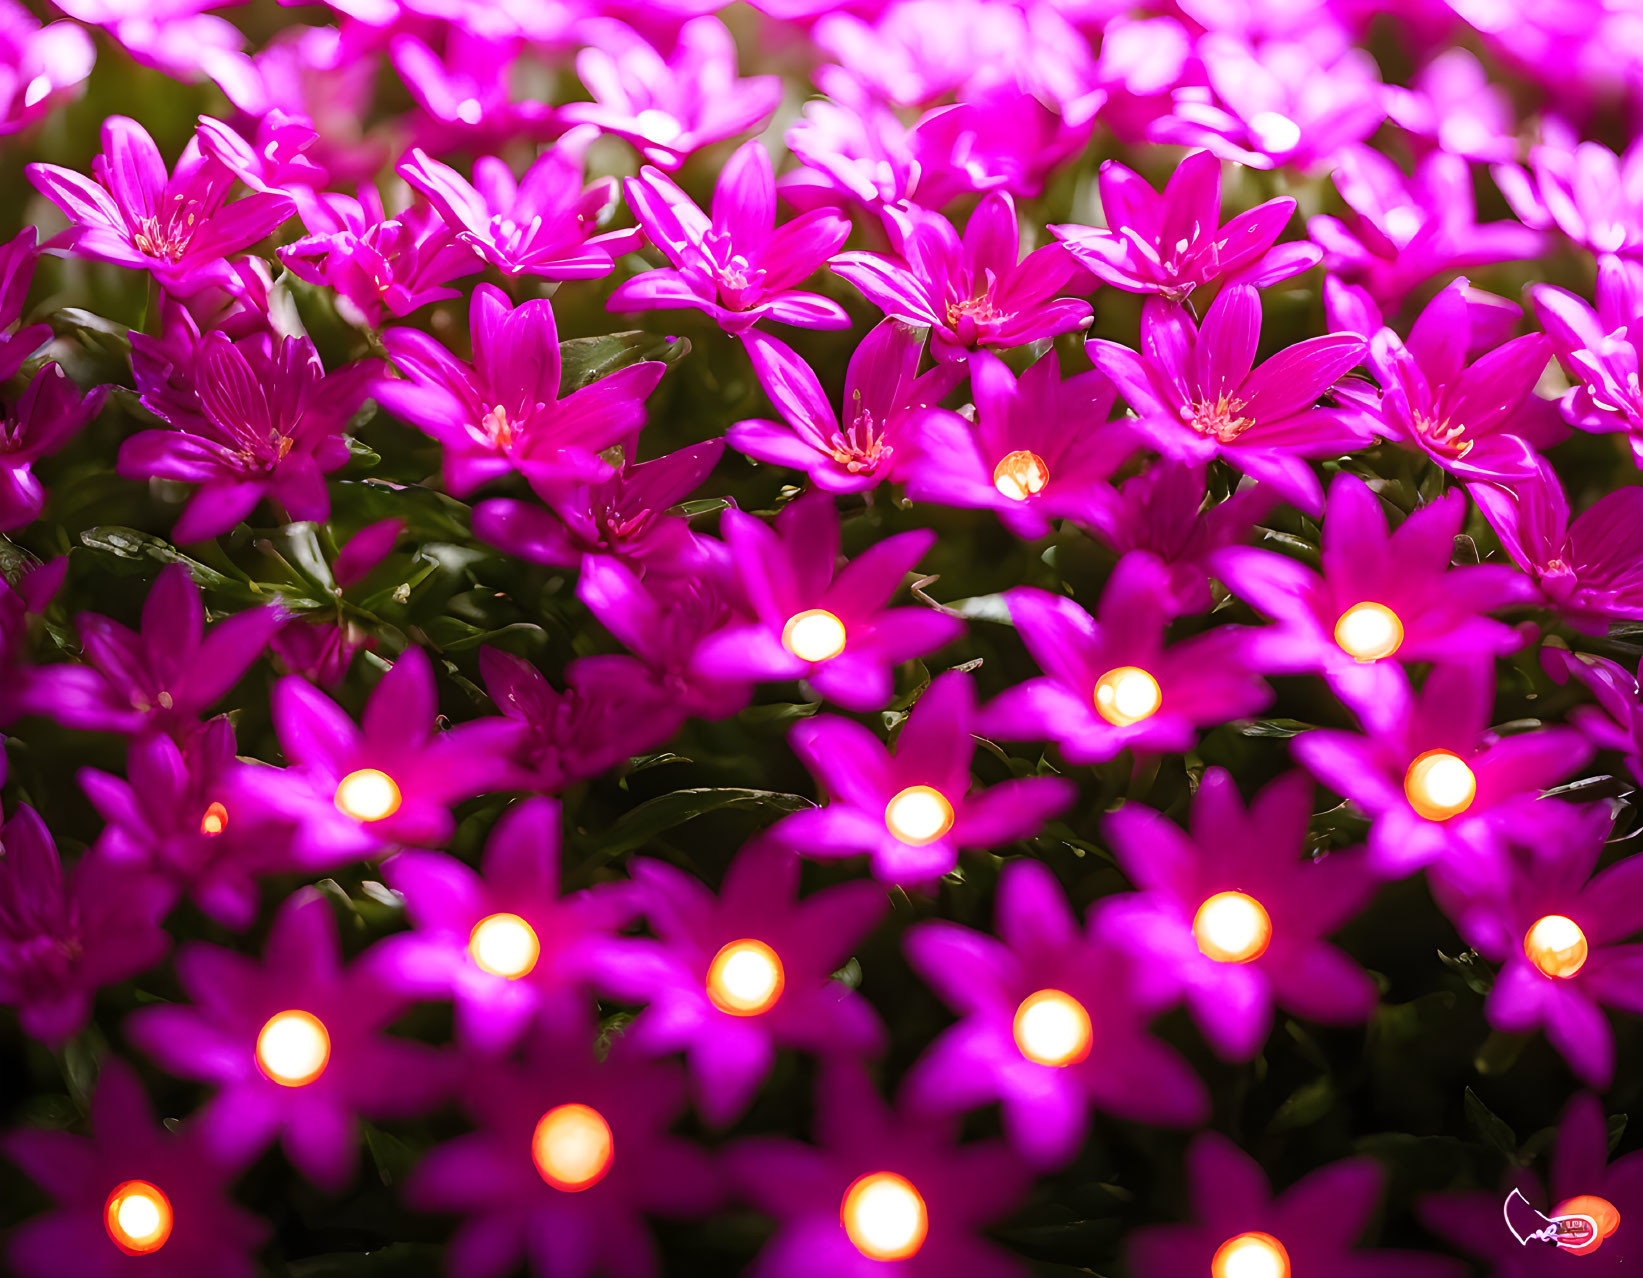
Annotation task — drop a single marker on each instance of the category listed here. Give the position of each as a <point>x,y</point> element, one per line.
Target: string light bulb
<point>137,1215</point>
<point>1440,785</point>
<point>1600,1211</point>
<point>1251,1255</point>
<point>1232,927</point>
<point>504,945</point>
<point>214,821</point>
<point>1021,474</point>
<point>884,1216</point>
<point>1557,946</point>
<point>1053,1028</point>
<point>293,1048</point>
<point>918,815</point>
<point>572,1147</point>
<point>745,978</point>
<point>813,635</point>
<point>1126,695</point>
<point>1369,632</point>
<point>368,794</point>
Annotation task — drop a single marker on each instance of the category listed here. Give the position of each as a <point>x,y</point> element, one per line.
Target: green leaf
<point>1616,1129</point>
<point>1491,1128</point>
<point>643,823</point>
<point>1478,975</point>
<point>397,1260</point>
<point>587,359</point>
<point>392,1156</point>
<point>1305,1105</point>
<point>983,608</point>
<point>1275,728</point>
<point>132,545</point>
<point>1500,1051</point>
<point>94,332</point>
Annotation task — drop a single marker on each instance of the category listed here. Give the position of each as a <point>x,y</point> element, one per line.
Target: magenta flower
<point>852,147</point>
<point>1174,242</point>
<point>44,65</point>
<point>730,979</point>
<point>1053,1023</point>
<point>670,106</point>
<point>504,946</point>
<point>882,386</point>
<point>1277,104</point>
<point>504,412</point>
<point>206,1231</point>
<point>1110,683</point>
<point>1235,914</point>
<point>663,619</point>
<point>295,1046</point>
<point>354,791</point>
<point>253,419</point>
<point>1584,569</point>
<point>1197,397</point>
<point>625,515</point>
<point>1477,421</point>
<point>1002,139</point>
<point>1040,448</point>
<point>1162,512</point>
<point>1403,231</point>
<point>64,936</point>
<point>181,227</point>
<point>1600,349</point>
<point>814,620</point>
<point>927,1196</point>
<point>735,266</point>
<point>536,225</point>
<point>1437,784</point>
<point>49,412</point>
<point>169,818</point>
<point>466,96</point>
<point>1580,188</point>
<point>1382,599</point>
<point>912,811</point>
<point>374,262</point>
<point>274,158</point>
<point>607,714</point>
<point>1311,1228</point>
<point>1580,1170</point>
<point>18,342</point>
<point>569,1157</point>
<point>973,292</point>
<point>32,593</point>
<point>1557,931</point>
<point>161,678</point>
<point>1616,721</point>
<point>1453,106</point>
<point>321,650</point>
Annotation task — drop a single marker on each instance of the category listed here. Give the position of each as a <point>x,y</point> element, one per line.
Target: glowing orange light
<point>1251,1255</point>
<point>1232,927</point>
<point>1369,631</point>
<point>1602,1213</point>
<point>1439,785</point>
<point>138,1217</point>
<point>1557,946</point>
<point>813,635</point>
<point>1021,474</point>
<point>215,820</point>
<point>884,1216</point>
<point>918,815</point>
<point>504,945</point>
<point>293,1048</point>
<point>745,978</point>
<point>1053,1028</point>
<point>368,794</point>
<point>1127,695</point>
<point>572,1147</point>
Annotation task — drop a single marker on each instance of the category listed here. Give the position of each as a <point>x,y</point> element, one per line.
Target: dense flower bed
<point>943,638</point>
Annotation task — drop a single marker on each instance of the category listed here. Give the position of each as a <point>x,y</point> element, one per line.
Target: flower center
<point>1126,695</point>
<point>504,945</point>
<point>293,1048</point>
<point>1557,946</point>
<point>813,635</point>
<point>859,447</point>
<point>884,1216</point>
<point>496,429</point>
<point>1369,631</point>
<point>214,821</point>
<point>745,978</point>
<point>918,815</point>
<point>1053,1028</point>
<point>1020,475</point>
<point>138,1217</point>
<point>1252,1255</point>
<point>169,241</point>
<point>1232,927</point>
<point>1440,785</point>
<point>1221,421</point>
<point>1442,438</point>
<point>572,1147</point>
<point>368,794</point>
